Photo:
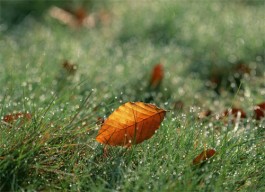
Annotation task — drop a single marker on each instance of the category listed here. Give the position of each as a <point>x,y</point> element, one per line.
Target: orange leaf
<point>131,123</point>
<point>157,75</point>
<point>203,156</point>
<point>13,117</point>
<point>259,111</point>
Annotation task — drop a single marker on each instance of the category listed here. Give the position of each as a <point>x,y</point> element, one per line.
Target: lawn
<point>59,79</point>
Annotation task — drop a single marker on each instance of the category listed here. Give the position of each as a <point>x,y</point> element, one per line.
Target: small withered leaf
<point>157,75</point>
<point>69,67</point>
<point>80,14</point>
<point>242,68</point>
<point>203,156</point>
<point>259,111</point>
<point>234,112</point>
<point>10,118</point>
<point>204,114</point>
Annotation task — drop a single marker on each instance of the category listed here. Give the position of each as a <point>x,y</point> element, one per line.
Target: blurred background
<point>113,45</point>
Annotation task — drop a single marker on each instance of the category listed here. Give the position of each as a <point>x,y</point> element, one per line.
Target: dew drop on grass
<point>233,85</point>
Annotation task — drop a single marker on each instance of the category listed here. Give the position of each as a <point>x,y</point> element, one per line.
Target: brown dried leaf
<point>131,123</point>
<point>157,75</point>
<point>242,68</point>
<point>80,15</point>
<point>11,118</point>
<point>63,16</point>
<point>259,111</point>
<point>69,67</point>
<point>235,112</point>
<point>204,114</point>
<point>203,156</point>
<point>74,19</point>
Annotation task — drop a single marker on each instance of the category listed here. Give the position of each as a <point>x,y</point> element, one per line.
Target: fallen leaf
<point>157,76</point>
<point>242,68</point>
<point>11,118</point>
<point>235,112</point>
<point>204,114</point>
<point>259,111</point>
<point>69,67</point>
<point>228,78</point>
<point>80,14</point>
<point>63,16</point>
<point>203,156</point>
<point>131,123</point>
<point>74,18</point>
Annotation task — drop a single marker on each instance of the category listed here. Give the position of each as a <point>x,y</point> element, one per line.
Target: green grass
<point>57,149</point>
